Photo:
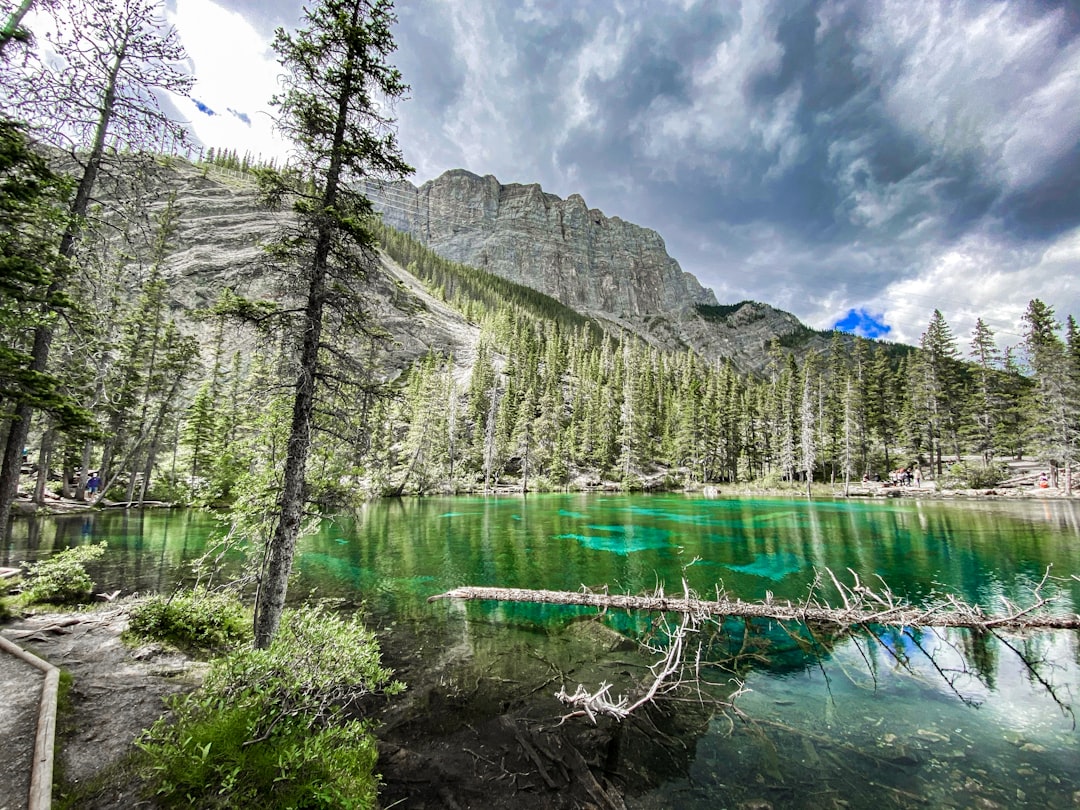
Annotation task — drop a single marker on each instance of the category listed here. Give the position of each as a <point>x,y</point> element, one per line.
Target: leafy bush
<point>275,727</point>
<point>62,578</point>
<point>973,476</point>
<point>194,620</point>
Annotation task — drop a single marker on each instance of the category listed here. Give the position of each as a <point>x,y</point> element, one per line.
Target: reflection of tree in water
<point>980,651</point>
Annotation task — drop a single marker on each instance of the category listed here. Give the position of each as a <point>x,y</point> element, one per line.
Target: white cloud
<point>235,70</point>
<point>990,80</point>
<point>983,277</point>
<point>720,117</point>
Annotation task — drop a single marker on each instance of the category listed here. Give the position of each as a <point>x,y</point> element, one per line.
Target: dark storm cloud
<point>1050,207</point>
<point>829,156</point>
<point>426,57</point>
<point>805,146</point>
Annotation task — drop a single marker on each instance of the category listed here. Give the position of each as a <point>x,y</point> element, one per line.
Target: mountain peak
<point>599,265</point>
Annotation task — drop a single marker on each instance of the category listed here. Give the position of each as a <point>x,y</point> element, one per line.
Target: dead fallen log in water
<point>862,606</point>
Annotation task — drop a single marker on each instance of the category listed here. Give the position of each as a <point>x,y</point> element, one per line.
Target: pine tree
<point>1050,405</point>
<point>808,423</point>
<point>338,88</point>
<point>937,387</point>
<point>986,405</point>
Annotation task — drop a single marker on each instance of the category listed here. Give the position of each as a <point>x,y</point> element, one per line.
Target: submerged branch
<point>870,610</point>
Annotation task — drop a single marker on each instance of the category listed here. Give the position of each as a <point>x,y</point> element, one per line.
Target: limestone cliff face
<point>595,264</point>
<point>220,242</point>
<point>615,271</point>
<point>605,267</point>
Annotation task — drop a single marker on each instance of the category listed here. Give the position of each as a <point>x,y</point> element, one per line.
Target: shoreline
<point>56,506</point>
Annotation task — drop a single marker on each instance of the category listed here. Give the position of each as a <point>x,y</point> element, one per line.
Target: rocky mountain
<point>610,269</point>
<point>219,242</point>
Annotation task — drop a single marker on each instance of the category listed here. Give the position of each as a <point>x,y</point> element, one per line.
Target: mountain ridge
<point>605,267</point>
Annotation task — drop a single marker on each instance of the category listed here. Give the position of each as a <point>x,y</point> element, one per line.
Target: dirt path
<point>436,749</point>
<point>116,692</point>
<point>20,685</point>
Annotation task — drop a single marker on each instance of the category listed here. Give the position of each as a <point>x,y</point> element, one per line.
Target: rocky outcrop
<point>616,272</point>
<point>595,264</point>
<point>605,267</point>
<point>220,241</point>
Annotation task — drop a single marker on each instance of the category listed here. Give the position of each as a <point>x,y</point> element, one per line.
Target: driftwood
<point>863,609</point>
<point>862,606</point>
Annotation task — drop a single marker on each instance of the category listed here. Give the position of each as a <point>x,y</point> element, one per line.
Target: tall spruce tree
<point>338,90</point>
<point>1050,403</point>
<point>937,388</point>
<point>986,410</point>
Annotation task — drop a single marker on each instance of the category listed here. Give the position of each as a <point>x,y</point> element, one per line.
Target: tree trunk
<point>273,584</point>
<point>11,27</point>
<point>858,608</point>
<point>67,475</point>
<point>84,470</point>
<point>44,462</point>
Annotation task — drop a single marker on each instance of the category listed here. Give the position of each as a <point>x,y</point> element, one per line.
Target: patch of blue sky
<point>863,323</point>
<point>241,116</point>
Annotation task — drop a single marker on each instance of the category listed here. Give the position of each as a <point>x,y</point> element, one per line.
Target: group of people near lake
<point>903,477</point>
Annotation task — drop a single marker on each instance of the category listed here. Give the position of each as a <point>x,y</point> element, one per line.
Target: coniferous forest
<point>195,326</point>
<point>101,373</point>
<point>550,400</point>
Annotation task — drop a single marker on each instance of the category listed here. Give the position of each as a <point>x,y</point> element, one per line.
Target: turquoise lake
<point>970,722</point>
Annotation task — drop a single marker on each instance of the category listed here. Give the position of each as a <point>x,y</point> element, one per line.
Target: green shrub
<point>193,620</point>
<point>269,727</point>
<point>973,476</point>
<point>62,578</point>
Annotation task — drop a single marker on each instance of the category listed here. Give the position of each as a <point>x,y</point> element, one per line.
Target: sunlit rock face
<point>595,264</point>
<point>222,231</point>
<point>605,267</point>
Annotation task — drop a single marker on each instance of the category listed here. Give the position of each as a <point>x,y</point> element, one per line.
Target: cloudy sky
<point>851,162</point>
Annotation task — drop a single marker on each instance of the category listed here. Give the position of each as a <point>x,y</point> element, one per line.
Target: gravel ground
<point>20,691</point>
<point>116,692</point>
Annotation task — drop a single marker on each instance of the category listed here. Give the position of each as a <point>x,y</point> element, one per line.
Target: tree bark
<point>954,614</point>
<point>277,565</point>
<point>44,463</point>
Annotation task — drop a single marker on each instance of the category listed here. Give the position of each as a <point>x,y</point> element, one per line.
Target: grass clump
<point>276,727</point>
<point>194,620</point>
<point>62,578</point>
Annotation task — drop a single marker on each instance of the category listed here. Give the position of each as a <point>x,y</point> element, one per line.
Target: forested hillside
<point>182,388</point>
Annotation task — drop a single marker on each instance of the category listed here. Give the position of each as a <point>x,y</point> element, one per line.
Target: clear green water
<point>851,730</point>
